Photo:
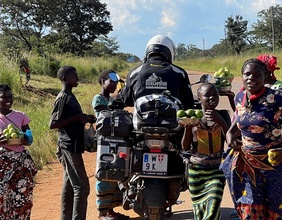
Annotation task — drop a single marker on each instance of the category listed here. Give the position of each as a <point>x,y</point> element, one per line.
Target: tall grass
<point>233,63</point>
<point>9,73</point>
<point>37,97</point>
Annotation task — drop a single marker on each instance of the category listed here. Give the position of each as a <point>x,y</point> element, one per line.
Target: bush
<point>44,65</point>
<point>9,74</point>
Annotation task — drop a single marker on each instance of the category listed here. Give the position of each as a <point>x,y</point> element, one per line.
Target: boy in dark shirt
<point>68,118</point>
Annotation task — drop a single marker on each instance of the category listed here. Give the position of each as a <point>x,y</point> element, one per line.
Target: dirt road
<point>49,180</point>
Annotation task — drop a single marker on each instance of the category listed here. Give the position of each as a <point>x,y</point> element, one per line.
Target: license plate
<point>155,163</point>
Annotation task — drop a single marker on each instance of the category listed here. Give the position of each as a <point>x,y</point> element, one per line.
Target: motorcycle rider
<point>158,74</point>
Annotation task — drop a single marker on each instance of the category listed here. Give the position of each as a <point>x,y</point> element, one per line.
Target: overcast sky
<point>197,22</point>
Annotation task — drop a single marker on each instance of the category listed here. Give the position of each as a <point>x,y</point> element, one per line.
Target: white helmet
<point>160,44</point>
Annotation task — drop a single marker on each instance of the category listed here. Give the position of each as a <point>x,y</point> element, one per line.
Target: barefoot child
<point>206,181</point>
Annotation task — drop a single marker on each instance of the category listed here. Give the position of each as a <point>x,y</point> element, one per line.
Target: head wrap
<point>270,62</point>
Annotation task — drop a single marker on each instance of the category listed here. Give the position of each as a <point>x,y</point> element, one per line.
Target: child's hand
<point>3,139</point>
<point>91,119</point>
<point>233,142</point>
<point>83,118</point>
<point>212,116</point>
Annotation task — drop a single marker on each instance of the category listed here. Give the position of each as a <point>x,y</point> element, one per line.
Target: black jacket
<point>157,75</point>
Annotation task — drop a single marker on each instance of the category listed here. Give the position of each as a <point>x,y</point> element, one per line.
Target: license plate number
<point>155,163</point>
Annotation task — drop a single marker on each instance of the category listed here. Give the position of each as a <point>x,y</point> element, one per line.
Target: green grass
<point>233,63</point>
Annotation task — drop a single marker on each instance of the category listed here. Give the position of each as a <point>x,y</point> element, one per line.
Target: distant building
<point>133,59</point>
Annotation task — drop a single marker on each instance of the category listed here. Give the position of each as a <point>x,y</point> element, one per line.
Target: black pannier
<point>156,110</point>
<point>116,123</point>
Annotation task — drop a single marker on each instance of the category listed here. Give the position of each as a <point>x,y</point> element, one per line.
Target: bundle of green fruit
<point>12,134</point>
<point>223,78</point>
<point>189,116</point>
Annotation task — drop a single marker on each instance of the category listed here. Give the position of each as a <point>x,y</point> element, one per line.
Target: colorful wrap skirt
<point>17,171</point>
<point>255,185</point>
<point>108,196</point>
<point>206,185</point>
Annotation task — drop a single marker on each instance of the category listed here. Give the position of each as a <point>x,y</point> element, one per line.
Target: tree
<point>236,32</point>
<point>104,46</point>
<point>181,52</point>
<point>24,20</point>
<point>73,25</point>
<point>268,19</point>
<point>79,23</point>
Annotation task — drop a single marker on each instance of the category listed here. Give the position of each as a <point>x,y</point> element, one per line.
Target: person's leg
<point>66,198</point>
<point>273,189</point>
<point>17,183</point>
<point>206,186</point>
<point>77,176</point>
<point>67,191</point>
<point>104,193</point>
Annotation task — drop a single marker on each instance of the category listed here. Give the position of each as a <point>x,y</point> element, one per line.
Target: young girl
<point>17,167</point>
<point>108,194</point>
<point>206,181</point>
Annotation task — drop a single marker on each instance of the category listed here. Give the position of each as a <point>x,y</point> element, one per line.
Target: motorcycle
<point>155,170</point>
<point>158,170</point>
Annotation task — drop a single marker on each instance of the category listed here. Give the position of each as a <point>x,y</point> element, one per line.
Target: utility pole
<point>272,27</point>
<point>225,41</point>
<point>203,47</point>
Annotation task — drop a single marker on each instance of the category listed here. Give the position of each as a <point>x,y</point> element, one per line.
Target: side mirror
<point>204,78</point>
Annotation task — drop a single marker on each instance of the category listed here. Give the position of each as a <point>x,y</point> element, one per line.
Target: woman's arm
<point>233,136</point>
<point>187,137</point>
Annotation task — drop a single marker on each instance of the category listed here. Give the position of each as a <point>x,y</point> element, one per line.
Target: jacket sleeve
<point>127,91</point>
<point>186,95</point>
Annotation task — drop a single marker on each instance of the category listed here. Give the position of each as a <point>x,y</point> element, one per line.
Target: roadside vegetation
<point>37,97</point>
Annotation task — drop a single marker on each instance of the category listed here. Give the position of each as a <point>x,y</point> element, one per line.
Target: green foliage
<point>44,65</point>
<point>268,19</point>
<point>72,25</point>
<point>79,23</point>
<point>37,98</point>
<point>9,74</point>
<point>236,32</point>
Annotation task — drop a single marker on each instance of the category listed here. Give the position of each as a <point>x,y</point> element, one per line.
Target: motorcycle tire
<point>155,213</point>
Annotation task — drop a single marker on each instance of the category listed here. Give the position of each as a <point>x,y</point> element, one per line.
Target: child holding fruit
<point>206,136</point>
<point>17,167</point>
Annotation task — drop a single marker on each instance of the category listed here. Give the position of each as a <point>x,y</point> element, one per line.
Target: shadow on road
<point>188,215</point>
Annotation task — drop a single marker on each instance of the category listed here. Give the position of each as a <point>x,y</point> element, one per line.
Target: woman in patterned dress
<point>17,169</point>
<point>255,185</point>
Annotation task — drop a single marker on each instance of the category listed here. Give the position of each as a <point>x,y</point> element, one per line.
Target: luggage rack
<point>155,130</point>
